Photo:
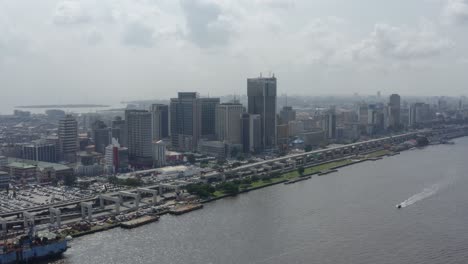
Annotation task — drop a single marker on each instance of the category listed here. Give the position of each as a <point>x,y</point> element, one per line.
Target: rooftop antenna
<point>273,75</point>
<point>286,99</point>
<point>260,75</point>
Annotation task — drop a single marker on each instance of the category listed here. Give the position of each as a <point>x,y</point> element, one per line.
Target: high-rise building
<point>363,114</point>
<point>39,152</point>
<point>119,130</point>
<point>394,111</point>
<point>160,121</point>
<point>68,137</point>
<point>419,113</point>
<point>251,133</point>
<point>185,125</point>
<point>261,94</point>
<point>116,157</point>
<point>139,137</point>
<point>159,153</point>
<point>208,116</point>
<point>329,124</point>
<point>102,135</point>
<point>228,122</point>
<point>287,114</point>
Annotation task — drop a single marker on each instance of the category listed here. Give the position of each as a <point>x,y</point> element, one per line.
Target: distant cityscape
<point>194,148</point>
<point>156,135</point>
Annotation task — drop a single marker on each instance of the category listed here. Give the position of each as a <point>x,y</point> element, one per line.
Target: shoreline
<point>362,158</point>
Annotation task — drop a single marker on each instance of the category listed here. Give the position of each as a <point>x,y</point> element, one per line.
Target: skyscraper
<point>68,138</point>
<point>208,116</point>
<point>394,111</point>
<point>160,121</point>
<point>102,136</point>
<point>329,124</point>
<point>185,122</point>
<point>139,137</point>
<point>119,130</point>
<point>251,133</point>
<point>261,94</point>
<point>228,122</point>
<point>287,114</point>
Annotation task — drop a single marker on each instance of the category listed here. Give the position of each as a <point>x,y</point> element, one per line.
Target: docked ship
<point>28,248</point>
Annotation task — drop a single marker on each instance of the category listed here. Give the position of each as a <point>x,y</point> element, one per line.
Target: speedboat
<point>398,206</point>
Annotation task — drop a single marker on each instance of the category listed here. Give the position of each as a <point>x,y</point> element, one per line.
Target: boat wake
<point>427,192</point>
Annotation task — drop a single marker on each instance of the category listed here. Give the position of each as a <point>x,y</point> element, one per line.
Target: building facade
<point>138,123</point>
<point>261,93</point>
<point>228,122</point>
<point>208,117</point>
<point>68,138</point>
<point>185,125</point>
<point>39,152</point>
<point>160,121</point>
<point>251,133</point>
<point>159,153</point>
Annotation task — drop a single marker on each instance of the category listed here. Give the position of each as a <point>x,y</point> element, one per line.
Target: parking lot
<point>36,195</point>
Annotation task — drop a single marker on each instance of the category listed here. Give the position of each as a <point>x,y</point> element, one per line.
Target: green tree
<point>301,170</point>
<point>69,179</point>
<point>308,148</point>
<point>229,187</point>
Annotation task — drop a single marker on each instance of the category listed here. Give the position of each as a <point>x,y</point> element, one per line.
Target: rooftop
<point>21,163</point>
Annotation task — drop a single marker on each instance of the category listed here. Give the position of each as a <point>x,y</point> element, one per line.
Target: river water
<point>345,217</point>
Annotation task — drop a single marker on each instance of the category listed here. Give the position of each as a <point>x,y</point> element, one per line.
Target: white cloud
<point>138,34</point>
<point>70,12</point>
<point>207,25</point>
<point>394,43</point>
<point>456,11</point>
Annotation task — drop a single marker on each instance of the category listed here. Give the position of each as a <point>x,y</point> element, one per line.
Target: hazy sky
<point>99,51</point>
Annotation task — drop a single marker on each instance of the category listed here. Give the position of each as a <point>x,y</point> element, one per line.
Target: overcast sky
<point>100,51</point>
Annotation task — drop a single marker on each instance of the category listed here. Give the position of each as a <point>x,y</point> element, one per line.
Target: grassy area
<point>294,174</point>
<point>378,153</point>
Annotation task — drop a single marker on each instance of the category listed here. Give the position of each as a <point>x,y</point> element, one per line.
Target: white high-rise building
<point>228,122</point>
<point>68,138</point>
<point>159,153</point>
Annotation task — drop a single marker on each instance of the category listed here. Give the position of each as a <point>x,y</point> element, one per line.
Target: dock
<point>139,221</point>
<point>325,172</point>
<point>298,180</point>
<point>178,210</point>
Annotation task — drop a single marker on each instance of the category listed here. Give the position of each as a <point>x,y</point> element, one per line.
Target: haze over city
<point>107,51</point>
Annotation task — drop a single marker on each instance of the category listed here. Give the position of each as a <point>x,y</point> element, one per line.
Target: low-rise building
<point>212,148</point>
<point>5,179</point>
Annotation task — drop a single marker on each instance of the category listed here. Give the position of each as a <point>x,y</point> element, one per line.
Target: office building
<point>251,133</point>
<point>228,122</point>
<point>68,138</point>
<point>102,135</point>
<point>159,153</point>
<point>419,113</point>
<point>287,114</point>
<point>217,149</point>
<point>5,179</point>
<point>394,108</point>
<point>39,152</point>
<point>160,121</point>
<point>185,125</point>
<point>329,124</point>
<point>116,158</point>
<point>363,113</point>
<point>208,117</point>
<point>139,137</point>
<point>119,130</point>
<point>261,93</point>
